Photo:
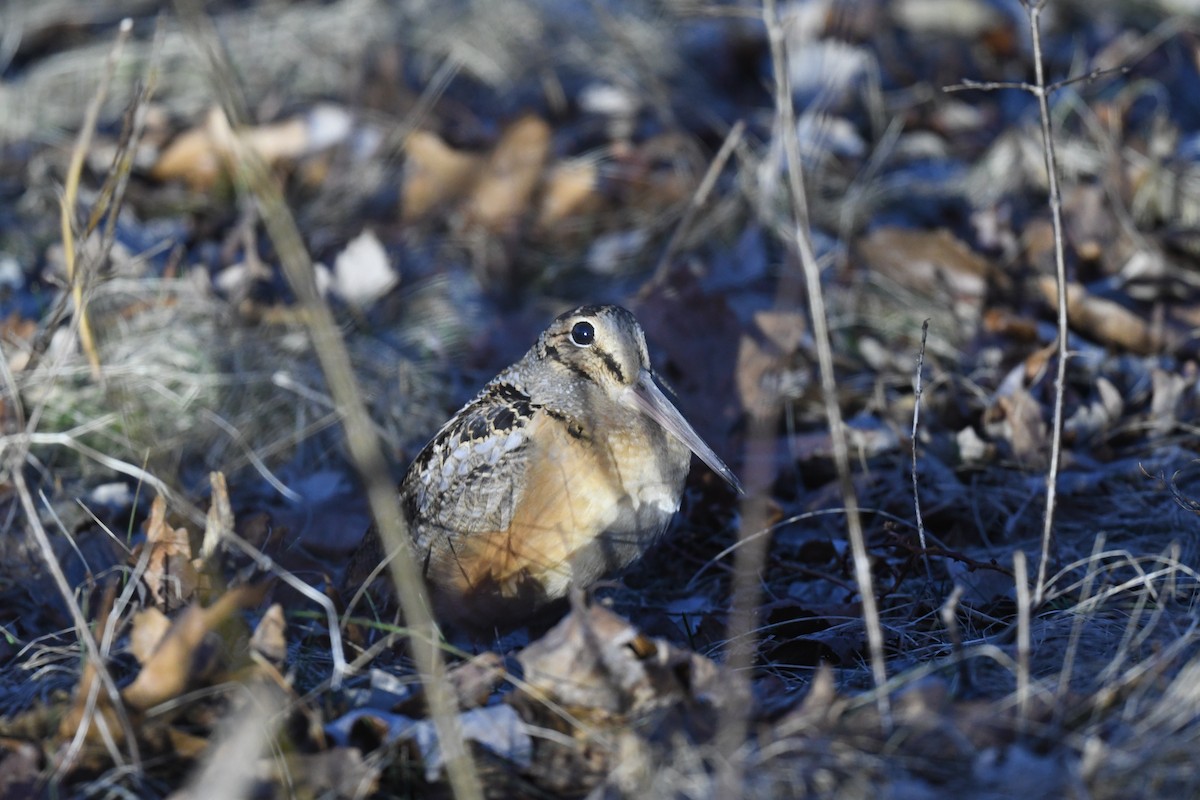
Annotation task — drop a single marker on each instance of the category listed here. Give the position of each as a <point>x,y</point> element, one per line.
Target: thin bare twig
<point>1034,10</point>
<point>989,86</point>
<point>917,390</point>
<point>1042,91</point>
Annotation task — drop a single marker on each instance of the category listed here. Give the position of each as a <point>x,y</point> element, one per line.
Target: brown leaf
<point>504,191</point>
<point>1017,418</point>
<point>931,263</point>
<point>937,271</point>
<point>170,575</point>
<point>769,364</point>
<point>187,745</point>
<point>435,175</point>
<point>270,636</point>
<point>1003,322</point>
<point>597,661</point>
<point>149,628</point>
<point>1103,320</point>
<point>219,522</point>
<point>178,661</point>
<point>202,155</point>
<point>192,158</point>
<point>569,191</point>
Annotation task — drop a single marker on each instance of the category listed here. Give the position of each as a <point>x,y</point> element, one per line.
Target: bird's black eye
<point>583,334</point>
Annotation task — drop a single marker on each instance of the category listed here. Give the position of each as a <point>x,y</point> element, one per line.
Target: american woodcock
<point>566,466</point>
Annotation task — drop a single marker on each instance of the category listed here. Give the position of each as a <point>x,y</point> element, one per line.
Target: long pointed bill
<point>646,397</point>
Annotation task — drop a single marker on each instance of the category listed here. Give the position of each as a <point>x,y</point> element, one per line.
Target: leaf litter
<point>468,173</point>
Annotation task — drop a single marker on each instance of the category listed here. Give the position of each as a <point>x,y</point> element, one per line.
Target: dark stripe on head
<point>553,353</point>
<point>610,364</point>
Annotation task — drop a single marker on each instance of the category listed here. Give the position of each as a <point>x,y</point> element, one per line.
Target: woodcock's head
<point>606,347</point>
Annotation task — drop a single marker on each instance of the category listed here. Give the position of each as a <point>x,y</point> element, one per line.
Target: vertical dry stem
<point>71,192</point>
<point>816,302</point>
<point>1034,9</point>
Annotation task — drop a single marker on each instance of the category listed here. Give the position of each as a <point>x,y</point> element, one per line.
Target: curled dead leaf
<point>769,364</point>
<point>202,155</point>
<point>1103,320</point>
<point>1017,418</point>
<point>570,190</point>
<point>596,660</point>
<point>505,188</point>
<point>179,659</point>
<point>435,174</point>
<point>270,636</point>
<point>170,574</point>
<point>219,522</point>
<point>149,627</point>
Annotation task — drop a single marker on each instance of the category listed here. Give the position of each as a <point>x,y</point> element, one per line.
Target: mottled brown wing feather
<point>468,478</point>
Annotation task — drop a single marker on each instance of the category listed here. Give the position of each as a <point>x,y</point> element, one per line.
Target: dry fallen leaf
<point>939,270</point>
<point>623,691</point>
<point>769,364</point>
<point>149,628</point>
<point>570,191</point>
<point>219,521</point>
<point>1017,418</point>
<point>179,660</point>
<point>170,575</point>
<point>270,636</point>
<point>504,191</point>
<point>596,661</point>
<point>1103,320</point>
<point>435,175</point>
<point>201,156</point>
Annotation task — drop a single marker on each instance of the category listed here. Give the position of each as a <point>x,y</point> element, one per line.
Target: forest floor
<point>181,501</point>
